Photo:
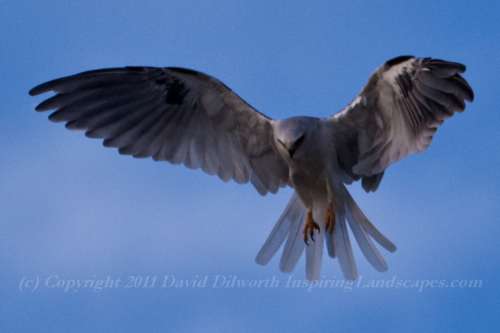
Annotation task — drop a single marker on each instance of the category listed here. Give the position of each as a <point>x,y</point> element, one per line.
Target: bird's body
<point>308,167</point>
<point>184,116</point>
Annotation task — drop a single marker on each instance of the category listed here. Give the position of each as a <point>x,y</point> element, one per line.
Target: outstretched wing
<point>171,114</point>
<point>396,114</point>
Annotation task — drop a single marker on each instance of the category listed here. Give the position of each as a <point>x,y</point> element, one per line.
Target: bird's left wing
<point>172,114</point>
<point>396,114</point>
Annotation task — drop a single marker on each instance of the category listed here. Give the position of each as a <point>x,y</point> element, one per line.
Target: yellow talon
<point>309,227</point>
<point>330,218</point>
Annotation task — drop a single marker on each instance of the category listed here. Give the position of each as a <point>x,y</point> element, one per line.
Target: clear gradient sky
<point>71,209</point>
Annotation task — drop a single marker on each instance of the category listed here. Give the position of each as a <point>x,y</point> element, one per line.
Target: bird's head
<point>291,134</point>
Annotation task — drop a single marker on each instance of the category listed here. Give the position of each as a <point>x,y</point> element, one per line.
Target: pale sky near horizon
<point>72,210</point>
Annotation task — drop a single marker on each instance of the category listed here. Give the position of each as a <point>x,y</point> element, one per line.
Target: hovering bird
<point>184,116</point>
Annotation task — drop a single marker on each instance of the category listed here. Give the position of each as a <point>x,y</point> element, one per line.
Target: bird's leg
<point>330,210</point>
<point>330,217</point>
<point>309,227</point>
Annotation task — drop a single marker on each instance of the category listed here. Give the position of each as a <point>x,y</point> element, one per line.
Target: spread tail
<point>290,228</point>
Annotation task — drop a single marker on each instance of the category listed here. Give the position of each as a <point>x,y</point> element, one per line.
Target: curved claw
<point>309,228</point>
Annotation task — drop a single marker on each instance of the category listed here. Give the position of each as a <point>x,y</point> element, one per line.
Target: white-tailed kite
<point>184,116</point>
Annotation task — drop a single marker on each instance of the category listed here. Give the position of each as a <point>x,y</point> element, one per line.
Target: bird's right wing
<point>397,114</point>
<point>172,114</point>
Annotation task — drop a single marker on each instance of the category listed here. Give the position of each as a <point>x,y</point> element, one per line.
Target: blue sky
<point>74,210</point>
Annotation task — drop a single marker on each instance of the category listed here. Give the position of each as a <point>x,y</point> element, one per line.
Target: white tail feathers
<point>342,245</point>
<point>288,224</point>
<point>314,254</point>
<point>290,227</point>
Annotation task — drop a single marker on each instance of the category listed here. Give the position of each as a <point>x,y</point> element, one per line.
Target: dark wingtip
<point>34,91</point>
<point>471,95</point>
<point>398,60</point>
<point>41,107</point>
<point>47,104</point>
<point>459,66</point>
<point>41,88</point>
<point>466,88</point>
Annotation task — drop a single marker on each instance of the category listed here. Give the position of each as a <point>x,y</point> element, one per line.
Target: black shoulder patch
<point>398,60</point>
<point>176,91</point>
